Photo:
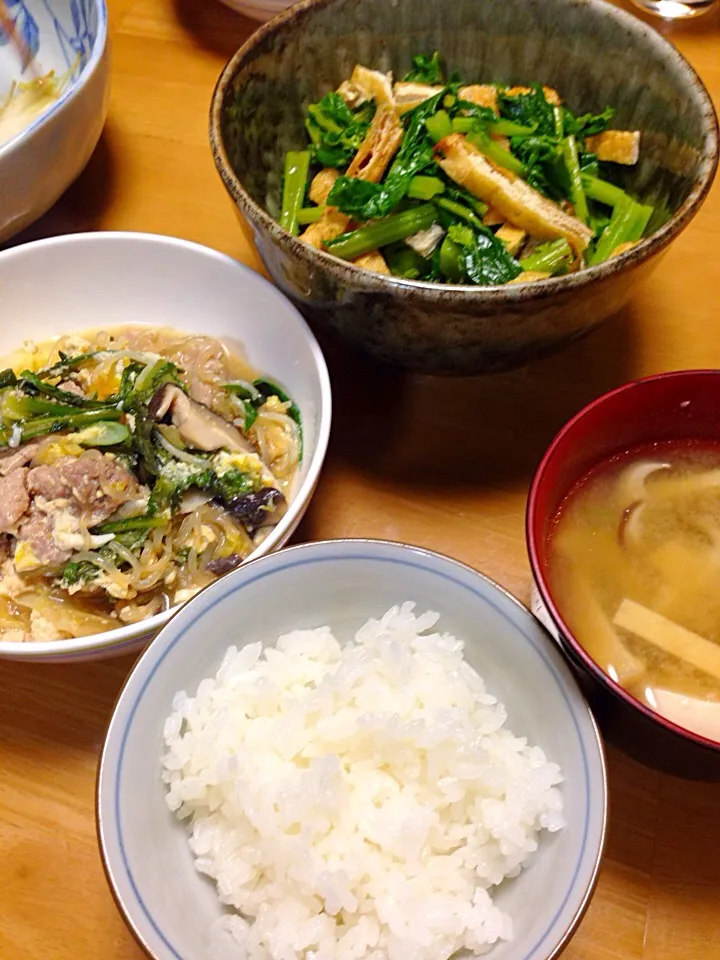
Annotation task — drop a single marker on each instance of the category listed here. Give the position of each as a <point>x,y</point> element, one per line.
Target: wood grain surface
<point>441,463</point>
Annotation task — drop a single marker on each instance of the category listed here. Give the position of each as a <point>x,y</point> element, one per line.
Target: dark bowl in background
<point>672,406</point>
<point>594,53</point>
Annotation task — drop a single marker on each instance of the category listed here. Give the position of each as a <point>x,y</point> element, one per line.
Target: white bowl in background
<point>97,280</point>
<point>40,162</point>
<point>342,583</point>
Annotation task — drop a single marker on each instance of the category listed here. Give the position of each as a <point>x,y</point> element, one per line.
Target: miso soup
<point>634,568</point>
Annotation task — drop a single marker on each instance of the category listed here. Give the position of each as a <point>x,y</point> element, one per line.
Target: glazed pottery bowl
<point>672,406</point>
<point>257,115</point>
<point>98,280</point>
<point>41,161</point>
<point>169,906</point>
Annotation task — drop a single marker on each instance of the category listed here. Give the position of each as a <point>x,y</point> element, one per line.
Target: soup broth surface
<point>634,568</point>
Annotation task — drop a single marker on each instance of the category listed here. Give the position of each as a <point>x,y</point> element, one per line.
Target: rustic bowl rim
<point>357,277</point>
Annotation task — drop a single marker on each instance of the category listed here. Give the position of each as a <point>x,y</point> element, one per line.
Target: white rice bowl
<point>356,802</point>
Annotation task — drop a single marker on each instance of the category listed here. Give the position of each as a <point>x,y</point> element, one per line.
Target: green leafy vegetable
<point>587,125</point>
<point>485,259</point>
<point>297,164</point>
<point>233,483</point>
<point>577,192</point>
<point>66,364</point>
<point>105,433</point>
<point>7,379</point>
<point>426,69</point>
<point>308,215</point>
<point>405,262</point>
<point>147,383</point>
<point>368,201</point>
<point>351,245</point>
<point>32,384</point>
<point>529,109</point>
<point>452,260</point>
<point>335,131</point>
<point>552,258</point>
<point>42,426</point>
<point>143,522</point>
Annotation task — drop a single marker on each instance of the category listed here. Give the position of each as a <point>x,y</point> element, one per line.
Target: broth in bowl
<point>633,562</point>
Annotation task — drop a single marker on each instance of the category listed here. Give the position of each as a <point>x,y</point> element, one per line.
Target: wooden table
<point>658,897</point>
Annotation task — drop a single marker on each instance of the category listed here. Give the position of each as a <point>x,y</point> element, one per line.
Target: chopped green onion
<point>297,163</point>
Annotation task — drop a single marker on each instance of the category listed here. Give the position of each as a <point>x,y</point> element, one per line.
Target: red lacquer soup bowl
<point>682,406</point>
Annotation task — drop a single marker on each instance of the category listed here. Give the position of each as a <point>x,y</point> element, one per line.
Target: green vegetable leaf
<point>7,378</point>
<point>544,166</point>
<point>66,363</point>
<point>369,201</point>
<point>147,383</point>
<point>33,385</point>
<point>335,131</point>
<point>529,109</point>
<point>485,258</point>
<point>426,69</point>
<point>233,483</point>
<point>588,124</point>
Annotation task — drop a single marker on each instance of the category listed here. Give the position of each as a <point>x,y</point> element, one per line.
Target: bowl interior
<point>566,44</point>
<point>60,33</point>
<point>101,280</point>
<point>343,583</point>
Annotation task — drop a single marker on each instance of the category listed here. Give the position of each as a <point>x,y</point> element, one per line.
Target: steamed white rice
<point>359,801</point>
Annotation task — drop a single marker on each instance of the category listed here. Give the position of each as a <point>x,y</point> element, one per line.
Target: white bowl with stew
<point>90,282</point>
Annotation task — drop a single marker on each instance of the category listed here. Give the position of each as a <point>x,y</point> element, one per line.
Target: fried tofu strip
<point>379,146</point>
<point>617,146</point>
<point>551,95</point>
<point>373,85</point>
<point>514,199</point>
<point>529,276</point>
<point>481,94</point>
<point>410,95</point>
<point>493,218</point>
<point>372,159</point>
<point>330,225</point>
<point>322,184</point>
<point>512,237</point>
<point>373,261</point>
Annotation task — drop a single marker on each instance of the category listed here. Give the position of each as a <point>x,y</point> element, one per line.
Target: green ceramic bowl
<point>594,53</point>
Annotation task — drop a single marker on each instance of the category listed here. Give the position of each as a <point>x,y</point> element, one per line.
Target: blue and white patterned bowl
<point>169,906</point>
<point>38,164</point>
